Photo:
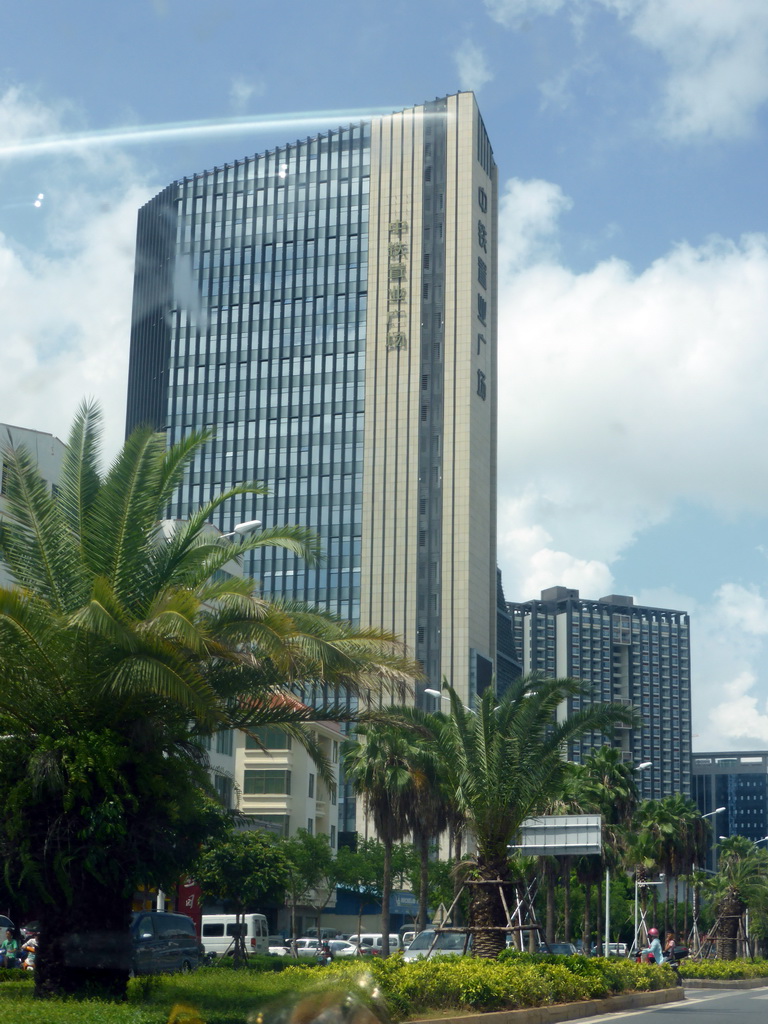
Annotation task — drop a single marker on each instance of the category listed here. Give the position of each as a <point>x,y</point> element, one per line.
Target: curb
<point>725,982</point>
<point>567,1011</point>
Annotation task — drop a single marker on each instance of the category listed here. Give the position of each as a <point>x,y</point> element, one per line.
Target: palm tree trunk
<point>85,945</point>
<point>675,905</point>
<point>549,869</point>
<point>599,922</point>
<point>565,882</point>
<point>422,844</point>
<point>386,890</point>
<point>487,910</point>
<point>731,909</point>
<point>586,935</point>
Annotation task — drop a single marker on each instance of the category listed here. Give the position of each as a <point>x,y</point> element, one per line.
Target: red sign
<point>190,900</point>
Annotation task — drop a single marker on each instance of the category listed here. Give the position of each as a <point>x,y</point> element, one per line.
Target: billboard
<point>560,834</point>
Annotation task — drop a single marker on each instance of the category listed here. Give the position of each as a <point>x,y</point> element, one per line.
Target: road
<point>701,1006</point>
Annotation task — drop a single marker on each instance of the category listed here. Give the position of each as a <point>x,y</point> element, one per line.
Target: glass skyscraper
<point>328,309</point>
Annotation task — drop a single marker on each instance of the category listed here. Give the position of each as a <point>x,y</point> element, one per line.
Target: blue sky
<point>631,142</point>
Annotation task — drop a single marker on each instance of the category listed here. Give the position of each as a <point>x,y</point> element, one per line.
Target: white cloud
<point>717,56</point>
<point>472,66</point>
<point>530,213</point>
<point>715,53</point>
<point>65,307</point>
<point>730,652</point>
<point>632,391</point>
<point>243,90</point>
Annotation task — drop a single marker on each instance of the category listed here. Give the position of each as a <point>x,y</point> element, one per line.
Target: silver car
<point>448,943</point>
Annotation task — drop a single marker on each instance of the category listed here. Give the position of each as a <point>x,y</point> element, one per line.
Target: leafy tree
<point>506,762</point>
<point>312,873</point>
<point>361,871</point>
<point>242,869</point>
<point>122,649</point>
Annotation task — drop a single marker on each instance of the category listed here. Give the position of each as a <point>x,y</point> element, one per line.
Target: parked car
<point>448,943</point>
<point>306,946</point>
<point>277,945</point>
<point>371,942</point>
<point>561,948</point>
<point>617,949</point>
<point>342,948</point>
<point>163,943</point>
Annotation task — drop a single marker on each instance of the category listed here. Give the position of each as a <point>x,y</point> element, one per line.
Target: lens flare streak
<point>183,130</point>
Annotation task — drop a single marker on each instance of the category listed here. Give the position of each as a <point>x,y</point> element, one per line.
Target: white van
<point>370,942</point>
<point>218,933</point>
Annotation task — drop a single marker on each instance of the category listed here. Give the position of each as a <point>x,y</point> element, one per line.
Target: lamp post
<point>637,768</point>
<point>694,937</point>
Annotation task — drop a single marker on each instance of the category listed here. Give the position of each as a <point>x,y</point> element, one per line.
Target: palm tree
<point>379,764</point>
<point>505,761</point>
<point>121,650</point>
<point>741,883</point>
<point>651,834</point>
<point>604,784</point>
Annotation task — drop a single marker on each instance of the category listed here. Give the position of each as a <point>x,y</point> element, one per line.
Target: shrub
<point>724,968</point>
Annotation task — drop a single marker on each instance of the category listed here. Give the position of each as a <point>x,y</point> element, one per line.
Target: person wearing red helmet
<point>654,947</point>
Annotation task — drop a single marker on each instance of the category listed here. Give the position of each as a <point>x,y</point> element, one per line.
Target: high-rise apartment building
<point>626,653</point>
<point>328,309</point>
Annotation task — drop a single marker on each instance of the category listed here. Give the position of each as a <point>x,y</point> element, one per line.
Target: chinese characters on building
<point>482,280</point>
<point>397,284</point>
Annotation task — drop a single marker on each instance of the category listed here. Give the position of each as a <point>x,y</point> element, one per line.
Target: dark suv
<point>163,943</point>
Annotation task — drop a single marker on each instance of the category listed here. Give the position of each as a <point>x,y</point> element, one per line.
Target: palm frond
<point>36,546</point>
<point>80,480</point>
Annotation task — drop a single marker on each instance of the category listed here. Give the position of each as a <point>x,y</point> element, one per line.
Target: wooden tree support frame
<point>706,948</point>
<point>523,912</point>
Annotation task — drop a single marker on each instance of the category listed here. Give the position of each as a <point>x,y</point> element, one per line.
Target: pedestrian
<point>669,946</point>
<point>30,947</point>
<point>9,950</point>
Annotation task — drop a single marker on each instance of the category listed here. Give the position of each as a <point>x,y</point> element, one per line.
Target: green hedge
<point>724,968</point>
<point>220,995</point>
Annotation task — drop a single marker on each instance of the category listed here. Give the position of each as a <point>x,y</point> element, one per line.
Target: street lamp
<point>242,528</point>
<point>441,696</point>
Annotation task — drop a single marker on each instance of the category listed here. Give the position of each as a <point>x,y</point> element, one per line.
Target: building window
<point>258,781</point>
<point>311,793</point>
<point>224,742</point>
<point>223,787</point>
<point>481,387</point>
<point>333,837</point>
<point>267,737</point>
<point>279,823</point>
<point>311,826</point>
